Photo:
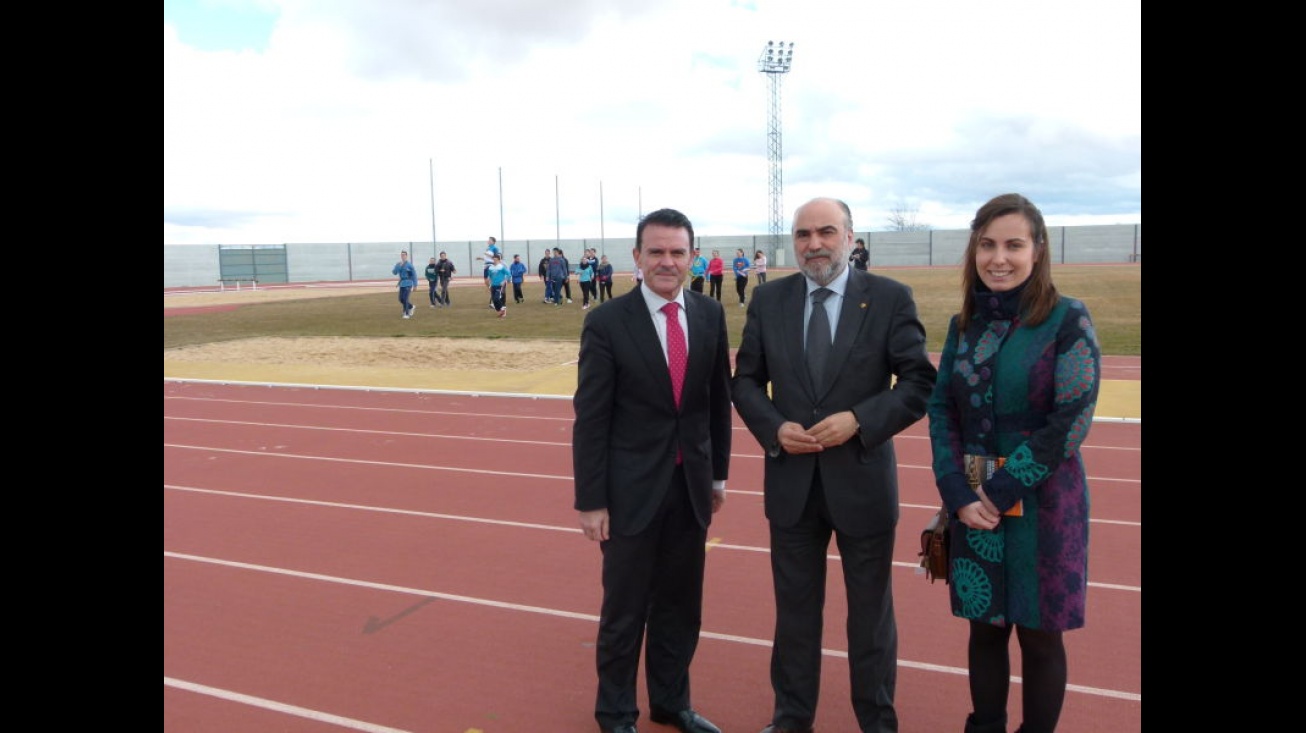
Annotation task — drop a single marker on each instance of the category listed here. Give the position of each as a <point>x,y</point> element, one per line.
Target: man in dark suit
<point>827,429</point>
<point>650,454</point>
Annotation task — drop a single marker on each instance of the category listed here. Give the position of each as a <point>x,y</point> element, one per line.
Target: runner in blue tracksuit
<point>407,281</point>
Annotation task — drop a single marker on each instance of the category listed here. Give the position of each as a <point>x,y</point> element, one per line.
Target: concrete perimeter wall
<point>193,265</point>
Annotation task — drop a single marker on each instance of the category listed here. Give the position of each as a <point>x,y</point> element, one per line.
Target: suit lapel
<point>793,307</point>
<point>645,337</point>
<point>702,339</point>
<point>852,317</point>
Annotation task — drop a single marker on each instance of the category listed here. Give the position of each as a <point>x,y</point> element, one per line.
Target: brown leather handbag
<point>934,547</point>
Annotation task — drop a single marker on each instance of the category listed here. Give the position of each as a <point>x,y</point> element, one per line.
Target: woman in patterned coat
<point>1018,382</point>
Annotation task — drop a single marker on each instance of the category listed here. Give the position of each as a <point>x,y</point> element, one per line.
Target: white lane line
<point>521,525</point>
<point>280,707</point>
<point>1096,691</point>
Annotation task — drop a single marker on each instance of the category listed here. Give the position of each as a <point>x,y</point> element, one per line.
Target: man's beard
<point>823,273</point>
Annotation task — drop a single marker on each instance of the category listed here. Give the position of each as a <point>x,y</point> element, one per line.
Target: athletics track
<point>395,560</point>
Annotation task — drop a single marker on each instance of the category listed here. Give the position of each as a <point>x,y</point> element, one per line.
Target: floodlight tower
<point>775,61</point>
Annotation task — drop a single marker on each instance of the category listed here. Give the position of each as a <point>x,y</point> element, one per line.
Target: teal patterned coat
<point>1026,393</point>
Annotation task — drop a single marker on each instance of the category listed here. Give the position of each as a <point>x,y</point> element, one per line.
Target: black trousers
<point>798,571</point>
<point>652,584</point>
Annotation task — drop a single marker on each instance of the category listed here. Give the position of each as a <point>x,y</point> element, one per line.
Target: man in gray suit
<point>651,455</point>
<point>824,397</point>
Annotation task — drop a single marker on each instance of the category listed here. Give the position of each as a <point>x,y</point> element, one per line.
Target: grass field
<point>1113,293</point>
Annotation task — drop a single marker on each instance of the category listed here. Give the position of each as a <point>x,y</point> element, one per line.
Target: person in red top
<point>716,274</point>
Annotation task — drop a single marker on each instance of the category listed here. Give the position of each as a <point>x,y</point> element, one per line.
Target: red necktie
<point>677,351</point>
<point>677,356</point>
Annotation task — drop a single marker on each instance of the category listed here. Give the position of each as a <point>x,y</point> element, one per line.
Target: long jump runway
<point>344,559</point>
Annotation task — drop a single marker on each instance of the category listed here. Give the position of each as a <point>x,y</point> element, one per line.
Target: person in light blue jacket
<point>586,274</point>
<point>407,281</point>
<point>697,272</point>
<point>499,276</point>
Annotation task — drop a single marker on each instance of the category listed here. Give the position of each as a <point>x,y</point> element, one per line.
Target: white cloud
<point>328,131</point>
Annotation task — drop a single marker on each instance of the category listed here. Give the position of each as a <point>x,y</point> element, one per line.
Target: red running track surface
<point>398,561</point>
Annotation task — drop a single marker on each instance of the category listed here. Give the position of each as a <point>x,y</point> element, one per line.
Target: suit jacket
<point>628,428</point>
<point>878,368</point>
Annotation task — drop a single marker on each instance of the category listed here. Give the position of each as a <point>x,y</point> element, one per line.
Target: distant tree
<point>903,219</point>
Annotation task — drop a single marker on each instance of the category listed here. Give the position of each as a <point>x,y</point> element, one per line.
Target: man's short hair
<point>666,218</point>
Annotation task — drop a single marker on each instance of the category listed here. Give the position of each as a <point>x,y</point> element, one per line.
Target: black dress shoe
<point>778,729</point>
<point>686,721</point>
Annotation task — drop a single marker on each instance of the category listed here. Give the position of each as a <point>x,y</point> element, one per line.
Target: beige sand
<point>465,365</point>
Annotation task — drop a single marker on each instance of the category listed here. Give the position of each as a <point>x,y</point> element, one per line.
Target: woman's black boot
<point>995,726</point>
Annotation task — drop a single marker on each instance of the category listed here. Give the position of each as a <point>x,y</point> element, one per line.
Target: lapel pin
<point>863,306</point>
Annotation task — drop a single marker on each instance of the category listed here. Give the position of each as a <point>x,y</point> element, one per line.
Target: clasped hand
<point>980,514</point>
<point>833,431</point>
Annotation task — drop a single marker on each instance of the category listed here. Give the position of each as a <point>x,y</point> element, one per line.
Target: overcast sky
<point>292,121</point>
